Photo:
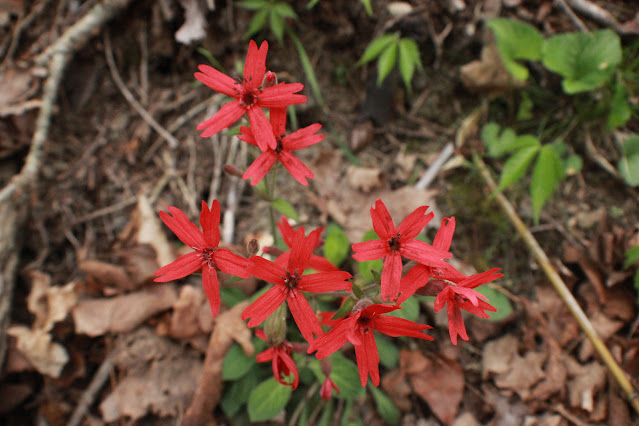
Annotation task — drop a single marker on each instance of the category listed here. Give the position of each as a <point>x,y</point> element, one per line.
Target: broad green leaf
<point>346,307</point>
<point>284,207</point>
<point>345,374</point>
<point>409,311</point>
<point>388,352</point>
<point>516,165</point>
<point>547,173</point>
<point>516,40</point>
<point>284,10</point>
<point>336,246</point>
<point>501,144</point>
<point>408,60</point>
<point>311,4</point>
<point>254,4</point>
<point>629,163</point>
<point>619,108</point>
<point>632,257</point>
<point>277,25</point>
<point>375,48</point>
<point>385,406</point>
<point>584,60</point>
<point>237,392</point>
<point>257,23</point>
<point>386,62</point>
<point>267,400</point>
<point>364,268</point>
<point>236,364</point>
<point>498,300</point>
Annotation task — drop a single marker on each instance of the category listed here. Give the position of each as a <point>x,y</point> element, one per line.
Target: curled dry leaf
<point>96,317</point>
<point>49,304</point>
<point>146,227</point>
<point>488,75</point>
<point>47,357</point>
<point>364,179</point>
<point>586,381</point>
<point>185,319</point>
<point>106,276</point>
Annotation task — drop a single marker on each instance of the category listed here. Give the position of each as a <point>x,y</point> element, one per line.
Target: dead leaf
<point>584,384</point>
<point>185,319</point>
<point>362,135</point>
<point>16,87</point>
<point>397,388</point>
<point>48,357</point>
<point>488,75</point>
<point>96,317</point>
<point>49,304</point>
<point>364,179</point>
<point>106,276</point>
<point>194,27</point>
<point>498,355</point>
<point>441,385</point>
<point>605,328</point>
<point>554,381</point>
<point>140,264</point>
<point>466,419</point>
<point>523,374</point>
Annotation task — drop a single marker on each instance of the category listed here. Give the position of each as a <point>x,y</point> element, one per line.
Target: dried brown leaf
<point>499,354</point>
<point>49,304</point>
<point>194,27</point>
<point>523,374</point>
<point>185,319</point>
<point>107,276</point>
<point>488,75</point>
<point>36,345</point>
<point>584,384</point>
<point>364,179</point>
<point>147,228</point>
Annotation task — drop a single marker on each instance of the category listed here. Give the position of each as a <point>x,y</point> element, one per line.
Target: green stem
<point>270,192</point>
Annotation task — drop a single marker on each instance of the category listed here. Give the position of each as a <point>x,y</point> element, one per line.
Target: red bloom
<point>358,329</point>
<point>282,150</point>
<point>326,391</point>
<point>419,274</point>
<point>462,296</point>
<point>316,262</point>
<point>290,282</point>
<point>397,243</point>
<point>207,256</point>
<point>283,363</point>
<point>250,98</point>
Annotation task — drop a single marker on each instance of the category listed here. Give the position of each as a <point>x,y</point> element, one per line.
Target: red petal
<point>262,130</point>
<point>378,309</point>
<point>231,263</point>
<point>478,279</point>
<point>210,223</point>
<point>211,288</point>
<point>455,323</point>
<point>368,359</point>
<point>266,270</point>
<point>304,315</point>
<point>302,138</point>
<point>391,276</point>
<point>332,341</point>
<point>260,167</point>
<point>295,167</point>
<point>321,264</point>
<point>415,279</point>
<point>415,222</point>
<point>281,95</point>
<point>395,327</point>
<point>181,267</point>
<point>447,295</point>
<point>287,231</point>
<point>278,121</point>
<point>225,117</point>
<point>181,226</point>
<point>444,236</point>
<point>301,251</point>
<point>217,81</point>
<point>424,253</point>
<point>370,250</point>
<point>265,356</point>
<point>246,135</point>
<point>264,306</point>
<point>255,65</point>
<point>323,282</point>
<point>290,366</point>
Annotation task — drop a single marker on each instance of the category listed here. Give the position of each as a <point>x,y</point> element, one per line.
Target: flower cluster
<point>297,273</point>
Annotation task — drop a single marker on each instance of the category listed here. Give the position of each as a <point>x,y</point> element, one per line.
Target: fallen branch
<point>561,288</point>
<point>89,395</point>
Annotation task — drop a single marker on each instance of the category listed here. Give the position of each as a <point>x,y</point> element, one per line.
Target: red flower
<point>395,243</point>
<point>462,296</point>
<point>290,282</point>
<point>283,363</point>
<point>419,274</point>
<point>358,329</point>
<point>316,262</point>
<point>326,391</point>
<point>282,150</point>
<point>250,98</point>
<point>207,256</point>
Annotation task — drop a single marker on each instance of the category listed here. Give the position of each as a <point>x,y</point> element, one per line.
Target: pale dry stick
<point>432,172</point>
<point>574,18</point>
<point>561,288</point>
<point>593,11</point>
<point>105,211</point>
<point>91,392</point>
<point>235,188</point>
<point>108,53</point>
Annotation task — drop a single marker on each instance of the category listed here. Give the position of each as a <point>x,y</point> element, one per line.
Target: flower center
<point>207,256</point>
<point>279,146</point>
<point>247,97</point>
<point>393,242</point>
<point>364,324</point>
<point>291,280</point>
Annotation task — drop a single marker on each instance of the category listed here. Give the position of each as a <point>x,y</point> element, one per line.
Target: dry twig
<point>91,392</point>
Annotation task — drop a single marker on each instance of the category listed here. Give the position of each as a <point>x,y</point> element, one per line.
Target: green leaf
<point>516,165</point>
<point>619,108</point>
<point>231,296</point>
<point>236,394</point>
<point>216,64</point>
<point>326,419</point>
<point>257,23</point>
<point>388,352</point>
<point>409,311</point>
<point>375,48</point>
<point>346,307</point>
<point>367,7</point>
<point>498,300</point>
<point>516,40</point>
<point>254,4</point>
<point>524,112</point>
<point>267,400</point>
<point>364,268</point>
<point>277,25</point>
<point>284,10</point>
<point>629,163</point>
<point>345,374</point>
<point>632,257</point>
<point>584,60</point>
<point>385,406</point>
<point>284,207</point>
<point>572,165</point>
<point>408,60</point>
<point>308,67</point>
<point>336,246</point>
<point>236,364</point>
<point>546,175</point>
<point>500,145</point>
<point>386,62</point>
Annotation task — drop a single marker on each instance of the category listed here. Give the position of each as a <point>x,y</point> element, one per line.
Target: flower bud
<point>232,170</point>
<point>270,79</point>
<point>275,326</point>
<point>253,246</point>
<point>362,304</point>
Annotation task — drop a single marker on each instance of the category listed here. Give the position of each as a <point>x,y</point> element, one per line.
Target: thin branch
<point>561,288</point>
<point>91,392</point>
